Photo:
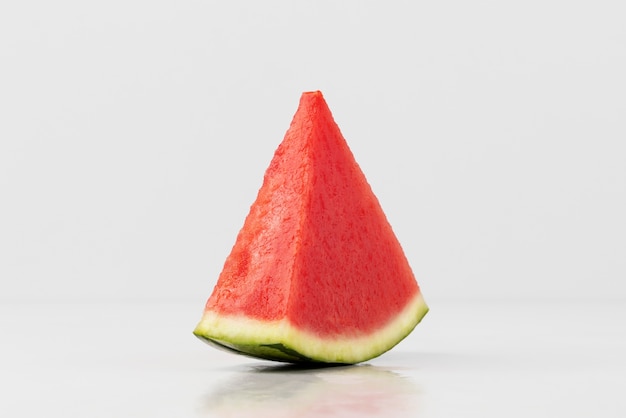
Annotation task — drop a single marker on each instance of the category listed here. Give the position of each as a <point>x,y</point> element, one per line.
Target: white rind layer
<point>281,341</point>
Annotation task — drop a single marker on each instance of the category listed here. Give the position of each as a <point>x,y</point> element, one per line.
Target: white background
<point>134,136</point>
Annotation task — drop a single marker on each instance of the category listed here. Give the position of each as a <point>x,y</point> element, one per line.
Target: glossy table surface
<point>124,359</point>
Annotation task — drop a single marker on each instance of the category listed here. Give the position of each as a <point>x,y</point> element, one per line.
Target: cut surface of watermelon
<point>316,273</point>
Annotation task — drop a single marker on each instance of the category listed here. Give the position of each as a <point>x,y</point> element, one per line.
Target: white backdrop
<point>134,136</point>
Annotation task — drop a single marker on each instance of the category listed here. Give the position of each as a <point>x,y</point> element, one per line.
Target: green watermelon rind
<point>282,341</point>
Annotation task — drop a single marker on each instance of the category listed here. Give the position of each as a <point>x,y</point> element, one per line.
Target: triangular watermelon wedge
<point>316,273</point>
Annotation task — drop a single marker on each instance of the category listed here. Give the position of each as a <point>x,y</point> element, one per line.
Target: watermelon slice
<point>316,273</point>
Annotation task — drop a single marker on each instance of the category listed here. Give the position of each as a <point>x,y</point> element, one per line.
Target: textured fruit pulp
<point>316,248</point>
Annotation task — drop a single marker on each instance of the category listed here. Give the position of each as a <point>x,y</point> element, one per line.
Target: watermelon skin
<point>280,341</point>
<point>316,273</point>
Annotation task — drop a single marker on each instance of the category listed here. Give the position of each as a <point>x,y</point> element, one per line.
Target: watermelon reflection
<point>290,391</point>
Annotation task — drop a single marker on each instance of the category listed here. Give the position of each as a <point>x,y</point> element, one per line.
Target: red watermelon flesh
<point>316,272</point>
